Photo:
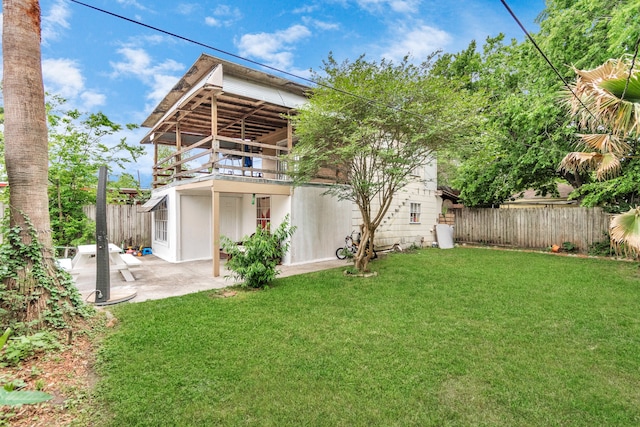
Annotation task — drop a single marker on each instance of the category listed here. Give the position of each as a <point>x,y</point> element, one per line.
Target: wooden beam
<point>257,107</point>
<point>215,145</point>
<point>243,187</point>
<point>178,166</point>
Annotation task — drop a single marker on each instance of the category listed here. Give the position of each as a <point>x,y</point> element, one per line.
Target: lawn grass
<point>439,338</point>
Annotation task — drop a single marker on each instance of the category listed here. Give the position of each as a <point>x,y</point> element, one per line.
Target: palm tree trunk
<point>25,131</point>
<point>25,128</point>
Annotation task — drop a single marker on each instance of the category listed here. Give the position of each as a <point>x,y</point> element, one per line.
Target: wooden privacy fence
<point>532,228</point>
<point>125,224</point>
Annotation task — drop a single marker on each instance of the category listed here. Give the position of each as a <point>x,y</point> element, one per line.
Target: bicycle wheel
<point>341,253</point>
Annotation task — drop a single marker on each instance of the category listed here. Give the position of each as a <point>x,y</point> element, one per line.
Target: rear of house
<point>218,138</point>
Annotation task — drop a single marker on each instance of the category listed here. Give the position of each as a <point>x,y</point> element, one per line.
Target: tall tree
<point>25,127</point>
<point>34,293</point>
<point>76,150</point>
<point>527,132</point>
<point>3,171</point>
<point>373,124</point>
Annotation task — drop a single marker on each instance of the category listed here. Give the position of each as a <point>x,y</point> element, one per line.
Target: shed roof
<point>248,101</point>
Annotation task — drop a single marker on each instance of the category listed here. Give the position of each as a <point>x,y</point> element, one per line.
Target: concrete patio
<point>156,278</point>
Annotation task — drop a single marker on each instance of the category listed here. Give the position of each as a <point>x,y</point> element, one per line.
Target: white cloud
<point>306,9</point>
<point>212,22</point>
<point>55,20</point>
<point>155,39</point>
<point>404,6</point>
<point>162,84</point>
<point>322,25</point>
<point>274,48</point>
<point>63,77</point>
<point>92,99</point>
<point>417,41</point>
<point>223,16</point>
<point>133,3</point>
<point>187,8</point>
<point>159,76</point>
<point>399,6</point>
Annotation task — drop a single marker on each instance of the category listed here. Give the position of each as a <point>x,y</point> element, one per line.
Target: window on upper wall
<point>414,213</point>
<point>263,212</point>
<point>161,219</point>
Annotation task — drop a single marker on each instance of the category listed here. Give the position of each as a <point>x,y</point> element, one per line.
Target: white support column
<point>215,227</point>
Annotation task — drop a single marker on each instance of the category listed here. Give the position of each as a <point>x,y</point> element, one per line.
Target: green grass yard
<point>440,338</point>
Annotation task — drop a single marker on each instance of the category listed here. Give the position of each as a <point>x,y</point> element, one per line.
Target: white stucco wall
<point>195,232</point>
<point>396,227</point>
<point>322,223</point>
<point>230,216</point>
<point>247,216</point>
<point>190,222</point>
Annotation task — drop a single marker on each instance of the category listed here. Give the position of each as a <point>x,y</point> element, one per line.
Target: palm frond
<point>580,162</point>
<point>607,102</point>
<point>609,166</point>
<point>625,230</point>
<point>617,87</point>
<point>611,68</point>
<point>605,143</point>
<point>600,97</point>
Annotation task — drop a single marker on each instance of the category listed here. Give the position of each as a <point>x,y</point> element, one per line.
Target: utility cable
<point>178,36</point>
<point>531,39</point>
<point>633,62</point>
<point>251,61</point>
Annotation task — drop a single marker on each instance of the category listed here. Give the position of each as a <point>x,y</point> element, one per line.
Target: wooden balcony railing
<point>222,155</point>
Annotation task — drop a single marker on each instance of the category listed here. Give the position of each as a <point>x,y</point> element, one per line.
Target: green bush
<point>255,260</point>
<point>602,247</point>
<point>21,347</point>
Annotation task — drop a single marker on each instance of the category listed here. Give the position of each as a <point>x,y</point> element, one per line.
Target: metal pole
<point>103,285</point>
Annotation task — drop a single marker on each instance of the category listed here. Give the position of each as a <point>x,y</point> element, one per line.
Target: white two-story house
<point>217,138</point>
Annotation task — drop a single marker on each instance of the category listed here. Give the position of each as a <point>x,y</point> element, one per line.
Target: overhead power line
<point>278,70</point>
<point>532,40</point>
<point>633,61</point>
<point>242,58</point>
<point>224,52</point>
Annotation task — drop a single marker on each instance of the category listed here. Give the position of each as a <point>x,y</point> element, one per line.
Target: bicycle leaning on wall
<point>351,247</point>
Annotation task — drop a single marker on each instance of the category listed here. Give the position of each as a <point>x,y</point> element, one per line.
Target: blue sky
<point>101,63</point>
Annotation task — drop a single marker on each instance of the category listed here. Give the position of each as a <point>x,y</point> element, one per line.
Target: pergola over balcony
<point>222,118</point>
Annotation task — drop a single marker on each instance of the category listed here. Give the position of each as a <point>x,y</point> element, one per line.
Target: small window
<point>263,212</point>
<point>414,215</point>
<point>161,216</point>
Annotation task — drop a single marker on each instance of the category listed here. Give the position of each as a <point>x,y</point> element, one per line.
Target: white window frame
<point>414,213</point>
<point>263,206</point>
<point>161,222</point>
